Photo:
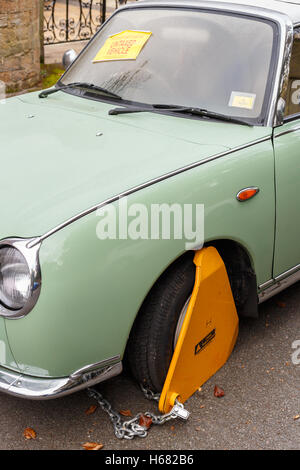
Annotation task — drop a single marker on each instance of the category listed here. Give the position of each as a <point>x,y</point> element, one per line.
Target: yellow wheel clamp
<point>208,333</point>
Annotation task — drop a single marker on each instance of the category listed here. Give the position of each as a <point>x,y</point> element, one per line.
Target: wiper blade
<point>214,115</point>
<point>180,109</point>
<point>140,109</point>
<point>88,86</point>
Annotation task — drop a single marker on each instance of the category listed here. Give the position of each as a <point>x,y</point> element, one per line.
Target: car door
<point>287,176</point>
<point>287,180</point>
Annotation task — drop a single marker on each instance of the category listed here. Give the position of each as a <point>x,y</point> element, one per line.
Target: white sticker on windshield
<point>242,100</point>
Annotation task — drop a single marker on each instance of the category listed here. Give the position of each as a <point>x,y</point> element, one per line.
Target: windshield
<point>211,60</point>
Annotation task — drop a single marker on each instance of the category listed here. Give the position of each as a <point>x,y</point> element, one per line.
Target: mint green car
<point>172,102</point>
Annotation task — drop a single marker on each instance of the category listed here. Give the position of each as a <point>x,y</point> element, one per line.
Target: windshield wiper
<point>179,109</point>
<point>88,86</point>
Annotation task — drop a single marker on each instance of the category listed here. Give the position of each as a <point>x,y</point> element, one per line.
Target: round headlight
<point>15,281</point>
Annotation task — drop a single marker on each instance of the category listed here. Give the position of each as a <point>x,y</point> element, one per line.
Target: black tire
<point>150,346</point>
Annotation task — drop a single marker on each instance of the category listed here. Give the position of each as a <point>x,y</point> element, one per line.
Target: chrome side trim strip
<point>288,273</point>
<point>36,388</point>
<point>143,186</point>
<point>266,284</point>
<point>97,366</point>
<point>278,284</point>
<point>289,131</point>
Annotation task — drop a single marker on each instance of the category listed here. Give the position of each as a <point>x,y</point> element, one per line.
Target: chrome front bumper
<point>37,388</point>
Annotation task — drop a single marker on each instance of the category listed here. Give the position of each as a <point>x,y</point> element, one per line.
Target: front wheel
<point>156,329</point>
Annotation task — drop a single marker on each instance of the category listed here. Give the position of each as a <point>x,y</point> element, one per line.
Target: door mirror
<point>69,57</point>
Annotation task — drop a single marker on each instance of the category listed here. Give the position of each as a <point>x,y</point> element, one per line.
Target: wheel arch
<point>241,273</point>
<point>242,277</point>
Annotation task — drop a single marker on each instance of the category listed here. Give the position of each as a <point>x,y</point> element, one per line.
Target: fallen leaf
<point>125,413</point>
<point>202,406</point>
<point>91,410</point>
<point>296,417</point>
<point>29,433</point>
<point>281,304</point>
<point>287,363</point>
<point>172,428</point>
<point>145,421</point>
<point>218,392</point>
<point>198,429</point>
<point>92,446</point>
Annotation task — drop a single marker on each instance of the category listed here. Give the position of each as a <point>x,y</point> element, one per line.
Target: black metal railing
<point>75,20</point>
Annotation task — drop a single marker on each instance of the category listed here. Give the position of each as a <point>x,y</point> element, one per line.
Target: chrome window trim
<point>279,102</point>
<point>31,255</point>
<point>286,74</point>
<point>279,283</point>
<point>135,189</point>
<point>38,388</point>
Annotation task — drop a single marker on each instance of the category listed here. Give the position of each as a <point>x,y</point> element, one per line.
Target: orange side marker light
<point>246,194</point>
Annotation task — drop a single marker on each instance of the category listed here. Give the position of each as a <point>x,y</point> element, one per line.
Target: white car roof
<point>290,7</point>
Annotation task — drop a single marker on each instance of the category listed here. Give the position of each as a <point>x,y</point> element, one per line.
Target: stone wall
<point>19,43</point>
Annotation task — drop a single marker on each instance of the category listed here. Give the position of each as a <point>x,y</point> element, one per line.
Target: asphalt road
<point>262,397</point>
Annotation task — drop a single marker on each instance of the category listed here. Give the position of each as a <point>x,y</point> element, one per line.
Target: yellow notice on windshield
<point>126,45</point>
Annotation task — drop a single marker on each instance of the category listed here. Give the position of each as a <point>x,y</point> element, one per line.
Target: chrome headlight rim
<point>29,249</point>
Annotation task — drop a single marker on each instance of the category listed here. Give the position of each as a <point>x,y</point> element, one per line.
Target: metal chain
<point>149,394</point>
<point>131,428</point>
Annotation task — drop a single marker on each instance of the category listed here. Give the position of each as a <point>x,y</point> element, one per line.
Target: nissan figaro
<point>173,104</point>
